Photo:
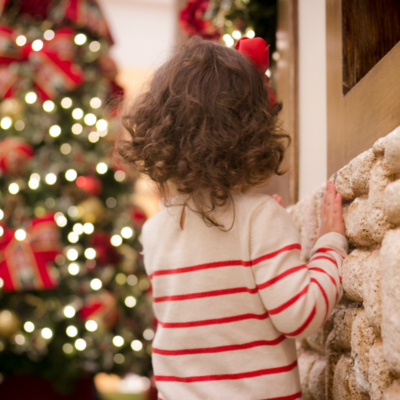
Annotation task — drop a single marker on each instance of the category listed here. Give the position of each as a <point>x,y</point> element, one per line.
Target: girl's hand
<point>278,199</point>
<point>331,212</point>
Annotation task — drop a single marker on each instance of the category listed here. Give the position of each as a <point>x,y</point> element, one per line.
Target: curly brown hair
<point>205,125</point>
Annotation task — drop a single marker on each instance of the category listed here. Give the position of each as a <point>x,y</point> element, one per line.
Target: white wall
<point>312,96</point>
<point>144,32</point>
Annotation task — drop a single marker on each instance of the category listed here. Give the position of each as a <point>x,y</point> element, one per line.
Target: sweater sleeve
<point>298,297</point>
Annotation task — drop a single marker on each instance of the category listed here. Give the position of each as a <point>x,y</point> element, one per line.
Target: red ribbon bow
<point>257,51</point>
<point>54,71</point>
<point>24,264</point>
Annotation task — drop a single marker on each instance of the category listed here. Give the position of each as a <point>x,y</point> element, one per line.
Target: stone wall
<point>356,355</point>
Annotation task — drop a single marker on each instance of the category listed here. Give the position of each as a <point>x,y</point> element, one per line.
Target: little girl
<point>230,292</point>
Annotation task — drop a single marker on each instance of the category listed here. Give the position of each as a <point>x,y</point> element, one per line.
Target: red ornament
<point>88,14</point>
<point>34,7</point>
<point>106,253</point>
<point>14,154</point>
<point>257,51</point>
<point>192,22</point>
<point>138,216</point>
<point>102,308</point>
<point>24,263</point>
<point>90,184</point>
<point>53,67</point>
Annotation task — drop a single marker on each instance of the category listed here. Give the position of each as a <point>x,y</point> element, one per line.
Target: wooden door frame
<point>370,110</point>
<point>287,92</point>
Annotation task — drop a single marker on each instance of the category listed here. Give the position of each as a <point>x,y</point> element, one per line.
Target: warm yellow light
<point>65,148</point>
<point>80,39</point>
<point>77,113</point>
<point>73,237</point>
<point>101,168</point>
<point>29,326</point>
<point>136,345</point>
<point>126,232</point>
<point>250,34</point>
<point>93,137</point>
<point>94,46</point>
<point>37,45</point>
<point>55,131</point>
<point>31,97</point>
<point>80,344</point>
<point>118,341</point>
<point>69,311</point>
<point>95,103</point>
<point>49,34</point>
<point>72,254</point>
<point>236,34</point>
<point>66,102</point>
<point>71,175</point>
<point>119,176</point>
<point>96,284</point>
<point>90,253</point>
<point>130,302</point>
<point>90,119</point>
<point>20,40</point>
<point>73,269</point>
<point>13,188</point>
<point>51,178</point>
<point>77,129</point>
<point>88,228</point>
<point>20,235</point>
<point>72,331</point>
<point>6,123</point>
<point>47,333</point>
<point>91,325</point>
<point>48,106</point>
<point>116,240</point>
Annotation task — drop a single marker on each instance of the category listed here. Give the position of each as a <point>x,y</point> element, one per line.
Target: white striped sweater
<point>230,304</point>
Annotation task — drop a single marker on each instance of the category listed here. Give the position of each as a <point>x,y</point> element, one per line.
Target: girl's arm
<point>298,297</point>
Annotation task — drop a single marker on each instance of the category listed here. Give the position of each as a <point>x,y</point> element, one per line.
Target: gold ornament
<point>9,323</point>
<point>92,210</point>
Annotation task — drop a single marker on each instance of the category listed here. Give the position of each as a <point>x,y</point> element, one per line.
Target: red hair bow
<point>257,51</point>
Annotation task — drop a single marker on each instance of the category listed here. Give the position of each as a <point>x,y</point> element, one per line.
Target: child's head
<point>205,126</point>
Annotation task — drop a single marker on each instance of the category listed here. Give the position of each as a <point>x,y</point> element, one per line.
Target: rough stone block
<point>360,172</point>
<point>391,202</point>
<point>378,373</point>
<point>372,289</point>
<point>379,147</point>
<point>365,225</point>
<point>316,380</point>
<point>362,339</point>
<point>306,361</point>
<point>393,392</point>
<point>380,178</point>
<point>317,341</point>
<point>341,390</point>
<point>352,274</point>
<point>344,381</point>
<point>390,282</point>
<point>392,150</point>
<point>342,327</point>
<point>342,182</point>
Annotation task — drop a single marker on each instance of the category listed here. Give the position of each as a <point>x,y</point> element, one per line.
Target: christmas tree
<point>74,295</point>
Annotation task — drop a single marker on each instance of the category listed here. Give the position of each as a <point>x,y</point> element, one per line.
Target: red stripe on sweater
<point>324,258</point>
<point>281,276</point>
<point>325,297</point>
<point>330,277</point>
<point>219,349</point>
<point>304,326</point>
<point>200,295</point>
<point>293,300</point>
<point>216,321</point>
<point>243,375</point>
<point>219,264</point>
<point>325,249</point>
<point>291,397</point>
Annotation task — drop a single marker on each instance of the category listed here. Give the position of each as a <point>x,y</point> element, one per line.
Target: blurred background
<point>75,302</point>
